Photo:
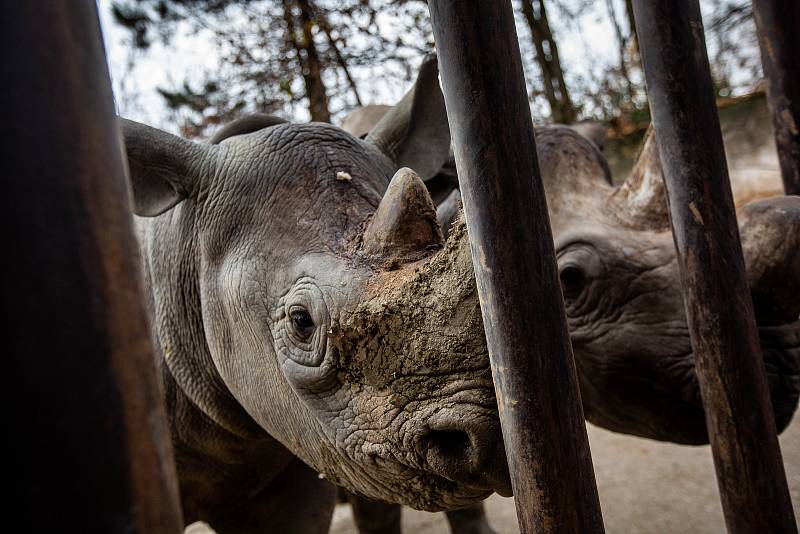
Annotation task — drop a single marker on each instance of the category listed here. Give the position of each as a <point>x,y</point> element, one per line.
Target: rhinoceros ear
<point>593,131</point>
<point>405,225</point>
<point>245,125</point>
<point>164,169</point>
<point>414,133</point>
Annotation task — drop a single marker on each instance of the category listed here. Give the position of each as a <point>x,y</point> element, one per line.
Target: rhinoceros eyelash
<point>302,322</point>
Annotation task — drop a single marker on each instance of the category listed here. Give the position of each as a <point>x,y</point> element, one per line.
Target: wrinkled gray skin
<point>623,297</point>
<point>304,318</point>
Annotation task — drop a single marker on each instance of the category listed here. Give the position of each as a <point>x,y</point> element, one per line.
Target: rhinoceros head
<point>622,291</point>
<point>290,291</point>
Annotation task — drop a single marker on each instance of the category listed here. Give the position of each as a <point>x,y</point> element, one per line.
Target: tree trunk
<point>326,27</point>
<point>632,29</point>
<point>308,59</point>
<point>552,74</point>
<point>622,41</point>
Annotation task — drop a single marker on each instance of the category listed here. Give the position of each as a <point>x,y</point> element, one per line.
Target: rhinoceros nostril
<point>467,451</point>
<point>454,445</point>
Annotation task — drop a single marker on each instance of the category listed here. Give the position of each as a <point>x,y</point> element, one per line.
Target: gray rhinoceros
<point>310,319</point>
<point>623,298</point>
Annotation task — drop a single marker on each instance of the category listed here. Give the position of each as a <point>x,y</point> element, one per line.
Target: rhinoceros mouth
<point>665,403</point>
<point>438,449</point>
<point>780,348</point>
<point>428,491</point>
<point>459,496</point>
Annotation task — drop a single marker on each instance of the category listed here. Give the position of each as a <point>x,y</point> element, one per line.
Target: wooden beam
<point>725,341</point>
<point>512,251</point>
<point>90,447</point>
<point>778,25</point>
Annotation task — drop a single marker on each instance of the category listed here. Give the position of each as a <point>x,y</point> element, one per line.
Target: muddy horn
<point>405,225</point>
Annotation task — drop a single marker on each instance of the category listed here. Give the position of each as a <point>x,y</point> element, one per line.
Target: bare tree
<point>320,58</point>
<point>555,88</point>
<point>302,40</point>
<point>277,56</point>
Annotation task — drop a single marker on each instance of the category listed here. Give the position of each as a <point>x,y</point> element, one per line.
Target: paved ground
<point>644,486</point>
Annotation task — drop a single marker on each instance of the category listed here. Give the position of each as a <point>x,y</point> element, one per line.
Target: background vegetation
<point>318,59</point>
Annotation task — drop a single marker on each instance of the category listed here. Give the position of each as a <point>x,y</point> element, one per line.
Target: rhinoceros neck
<point>169,245</point>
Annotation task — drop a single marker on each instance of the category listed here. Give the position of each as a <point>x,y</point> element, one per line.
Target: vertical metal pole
<point>512,251</point>
<point>729,366</point>
<point>778,25</point>
<point>90,442</point>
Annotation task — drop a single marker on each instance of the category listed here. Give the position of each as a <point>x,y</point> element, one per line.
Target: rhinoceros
<point>623,298</point>
<point>312,324</point>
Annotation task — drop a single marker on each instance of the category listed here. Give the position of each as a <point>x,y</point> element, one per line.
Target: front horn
<point>404,226</point>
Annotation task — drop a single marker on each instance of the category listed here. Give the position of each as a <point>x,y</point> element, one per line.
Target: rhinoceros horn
<point>641,201</point>
<point>164,168</point>
<point>404,226</point>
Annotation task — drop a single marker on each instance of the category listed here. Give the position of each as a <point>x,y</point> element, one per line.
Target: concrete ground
<point>645,487</point>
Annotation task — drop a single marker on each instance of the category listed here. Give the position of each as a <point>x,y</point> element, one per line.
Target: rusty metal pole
<point>515,269</point>
<point>89,441</point>
<point>778,25</point>
<point>730,369</point>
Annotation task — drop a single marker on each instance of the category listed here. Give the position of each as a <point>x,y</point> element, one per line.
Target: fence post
<point>514,261</point>
<point>730,370</point>
<point>778,25</point>
<point>90,439</point>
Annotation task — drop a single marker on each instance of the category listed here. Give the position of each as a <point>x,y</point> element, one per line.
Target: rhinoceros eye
<point>302,321</point>
<point>573,280</point>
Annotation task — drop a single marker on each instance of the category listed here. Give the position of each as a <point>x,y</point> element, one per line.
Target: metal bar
<point>730,369</point>
<point>512,251</point>
<point>90,433</point>
<point>778,25</point>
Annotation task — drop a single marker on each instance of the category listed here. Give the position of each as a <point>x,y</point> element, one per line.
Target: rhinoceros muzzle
<point>466,447</point>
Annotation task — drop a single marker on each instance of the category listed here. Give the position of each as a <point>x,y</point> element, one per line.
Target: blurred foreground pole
<point>778,25</point>
<point>90,443</point>
<point>730,369</point>
<point>512,251</point>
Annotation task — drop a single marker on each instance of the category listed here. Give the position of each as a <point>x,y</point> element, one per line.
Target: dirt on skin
<point>416,314</point>
<point>418,334</point>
